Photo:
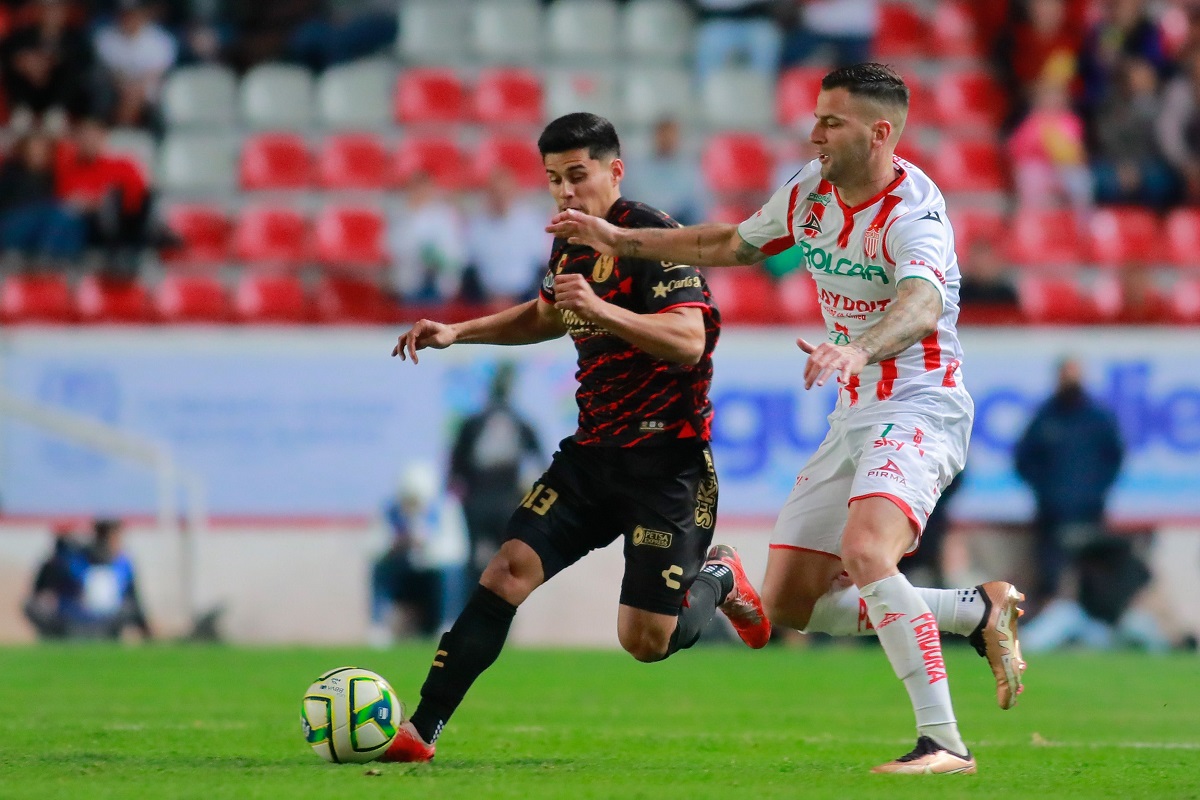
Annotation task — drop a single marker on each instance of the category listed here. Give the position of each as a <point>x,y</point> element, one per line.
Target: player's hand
<point>572,292</point>
<point>580,228</point>
<point>426,333</point>
<point>826,360</point>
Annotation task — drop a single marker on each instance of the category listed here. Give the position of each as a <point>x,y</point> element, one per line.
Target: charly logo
<point>603,269</point>
<point>650,538</point>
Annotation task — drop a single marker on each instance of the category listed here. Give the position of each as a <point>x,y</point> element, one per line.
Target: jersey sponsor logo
<point>821,260</point>
<point>822,199</point>
<point>840,302</point>
<point>603,269</point>
<point>548,282</point>
<point>871,242</point>
<point>562,262</point>
<point>668,266</point>
<point>666,287</point>
<point>645,537</point>
<point>652,426</point>
<point>888,619</point>
<point>811,226</point>
<point>937,272</point>
<point>577,325</point>
<point>929,640</point>
<point>890,471</point>
<point>706,496</point>
<point>840,334</point>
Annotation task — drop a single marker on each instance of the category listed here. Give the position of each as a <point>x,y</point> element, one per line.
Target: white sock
<point>909,633</point>
<point>843,612</point>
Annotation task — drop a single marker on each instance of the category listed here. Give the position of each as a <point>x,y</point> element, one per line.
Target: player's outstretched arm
<point>711,244</point>
<point>530,322</point>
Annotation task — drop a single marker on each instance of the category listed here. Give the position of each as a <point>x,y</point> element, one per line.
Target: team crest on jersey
<point>603,269</point>
<point>871,242</point>
<point>559,266</point>
<point>812,225</point>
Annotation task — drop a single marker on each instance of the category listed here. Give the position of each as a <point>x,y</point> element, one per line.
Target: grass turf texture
<point>197,722</point>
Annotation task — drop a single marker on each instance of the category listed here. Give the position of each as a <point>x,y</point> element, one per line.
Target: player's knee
<point>513,573</point>
<point>788,610</point>
<point>645,644</point>
<point>865,561</point>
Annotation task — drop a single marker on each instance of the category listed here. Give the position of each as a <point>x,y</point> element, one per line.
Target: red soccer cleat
<point>407,747</point>
<point>742,606</point>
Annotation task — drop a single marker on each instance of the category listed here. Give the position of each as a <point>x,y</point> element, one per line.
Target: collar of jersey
<point>868,203</point>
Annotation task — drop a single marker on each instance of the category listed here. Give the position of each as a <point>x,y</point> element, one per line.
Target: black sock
<point>708,590</point>
<point>464,652</point>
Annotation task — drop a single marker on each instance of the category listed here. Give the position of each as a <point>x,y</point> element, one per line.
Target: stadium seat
<point>582,30</point>
<point>658,31</point>
<point>1121,237</point>
<point>202,96</point>
<point>738,162</point>
<point>351,236</point>
<point>439,156</point>
<point>569,90</point>
<point>1037,238</point>
<point>903,32</point>
<point>969,165</point>
<point>1185,300</point>
<point>430,95</point>
<point>796,95</point>
<point>973,225</point>
<point>731,213</point>
<point>954,33</point>
<point>278,161</point>
<point>515,153</point>
<point>1182,234</point>
<point>342,298</point>
<point>102,299</point>
<point>744,295</point>
<point>507,31</point>
<point>738,98</point>
<point>357,95</point>
<point>191,298</point>
<point>508,96</point>
<point>969,100</point>
<point>192,161</point>
<point>1058,300</point>
<point>36,298</point>
<point>205,233</point>
<point>434,31</point>
<point>652,93</point>
<point>922,104</point>
<point>354,161</point>
<point>271,236</point>
<point>796,295</point>
<point>270,298</point>
<point>277,97</point>
<point>137,145</point>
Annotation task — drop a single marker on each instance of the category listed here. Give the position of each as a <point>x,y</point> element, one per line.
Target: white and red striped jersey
<point>857,255</point>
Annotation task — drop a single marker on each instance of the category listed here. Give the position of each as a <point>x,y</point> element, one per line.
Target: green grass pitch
<point>723,722</point>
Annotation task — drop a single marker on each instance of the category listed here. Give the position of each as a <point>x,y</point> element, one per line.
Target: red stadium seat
<point>738,162</point>
<point>922,104</point>
<point>954,31</point>
<point>270,298</point>
<point>430,95</point>
<point>1040,238</point>
<point>970,166</point>
<point>508,96</point>
<point>969,100</point>
<point>744,295</point>
<point>275,161</point>
<point>354,161</point>
<point>205,233</point>
<point>1058,300</point>
<point>517,154</point>
<point>191,298</point>
<point>1185,300</point>
<point>903,32</point>
<point>1182,233</point>
<point>973,225</point>
<point>351,236</point>
<point>1125,237</point>
<point>798,298</point>
<point>102,299</point>
<point>439,157</point>
<point>341,298</point>
<point>732,213</point>
<point>36,298</point>
<point>796,95</point>
<point>275,236</point>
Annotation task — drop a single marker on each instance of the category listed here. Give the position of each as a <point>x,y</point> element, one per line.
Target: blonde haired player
<point>876,238</point>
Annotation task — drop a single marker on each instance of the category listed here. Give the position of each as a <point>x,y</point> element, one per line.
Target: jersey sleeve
<point>919,245</point>
<point>770,229</point>
<point>546,289</point>
<point>663,285</point>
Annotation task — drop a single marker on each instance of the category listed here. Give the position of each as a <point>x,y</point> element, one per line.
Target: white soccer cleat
<point>928,758</point>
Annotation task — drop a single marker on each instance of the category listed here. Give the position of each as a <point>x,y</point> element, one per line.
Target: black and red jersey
<point>627,397</point>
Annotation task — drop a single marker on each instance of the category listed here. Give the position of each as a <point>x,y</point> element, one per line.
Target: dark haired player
<point>638,467</point>
<point>875,236</point>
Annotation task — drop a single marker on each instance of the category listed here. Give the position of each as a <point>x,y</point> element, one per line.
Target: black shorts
<point>662,500</point>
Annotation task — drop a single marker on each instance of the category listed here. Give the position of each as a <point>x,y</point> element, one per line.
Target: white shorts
<point>909,459</point>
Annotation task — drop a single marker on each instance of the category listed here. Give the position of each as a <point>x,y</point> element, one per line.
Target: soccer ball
<point>350,715</point>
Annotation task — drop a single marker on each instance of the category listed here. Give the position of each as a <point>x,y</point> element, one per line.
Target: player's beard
<point>840,167</point>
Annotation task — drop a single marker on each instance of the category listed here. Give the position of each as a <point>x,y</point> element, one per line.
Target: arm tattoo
<point>631,247</point>
<point>913,317</point>
<point>747,253</point>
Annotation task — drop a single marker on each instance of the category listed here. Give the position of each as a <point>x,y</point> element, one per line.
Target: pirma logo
<point>888,619</point>
<point>890,471</point>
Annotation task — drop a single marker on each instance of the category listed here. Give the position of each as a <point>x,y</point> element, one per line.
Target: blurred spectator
<point>1126,29</point>
<point>136,52</point>
<point>32,221</point>
<point>924,566</point>
<point>1043,41</point>
<point>842,31</point>
<point>47,65</point>
<point>737,31</point>
<point>984,277</point>
<point>106,191</point>
<point>87,592</point>
<point>417,586</point>
<point>666,178</point>
<point>427,243</point>
<point>486,463</point>
<point>352,29</point>
<point>1179,124</point>
<point>1048,153</point>
<point>1127,164</point>
<point>506,244</point>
